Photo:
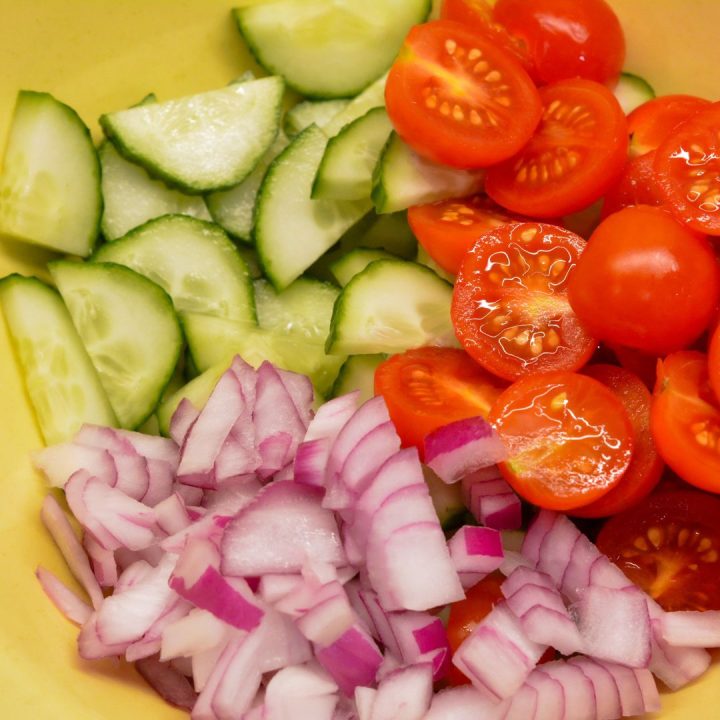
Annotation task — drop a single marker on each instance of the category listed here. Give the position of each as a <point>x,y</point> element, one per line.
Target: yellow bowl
<point>100,55</point>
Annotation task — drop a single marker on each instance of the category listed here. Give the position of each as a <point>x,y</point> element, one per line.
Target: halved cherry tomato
<point>577,153</point>
<point>449,228</point>
<point>646,282</point>
<point>478,15</point>
<point>652,122</point>
<point>430,387</point>
<point>567,38</point>
<point>646,466</point>
<point>510,307</point>
<point>637,362</point>
<point>669,545</point>
<point>687,165</point>
<point>714,361</point>
<point>568,436</point>
<point>458,99</point>
<point>638,185</point>
<point>685,419</point>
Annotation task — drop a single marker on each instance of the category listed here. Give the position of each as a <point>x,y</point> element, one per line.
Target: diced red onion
<point>675,666</point>
<point>326,621</point>
<point>465,703</point>
<point>274,587</point>
<point>92,647</point>
<point>404,694</point>
<point>151,642</point>
<point>523,705</point>
<point>648,689</point>
<point>691,629</point>
<point>102,561</point>
<point>232,497</point>
<point>631,696</point>
<point>59,462</point>
<point>579,692</point>
<point>203,664</point>
<point>421,638</point>
<point>462,447</point>
<point>577,573</point>
<point>171,514</point>
<point>556,548</point>
<point>196,632</point>
<point>171,685</point>
<point>476,550</point>
<point>607,696</point>
<point>161,479</point>
<point>301,391</point>
<point>182,420</point>
<point>300,692</point>
<point>135,573</point>
<point>551,703</point>
<point>541,524</point>
<point>282,643</point>
<point>364,699</point>
<point>65,600</point>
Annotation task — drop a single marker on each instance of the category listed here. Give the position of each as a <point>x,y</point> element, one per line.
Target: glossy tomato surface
<point>638,185</point>
<point>569,439</point>
<point>458,99</point>
<point>646,281</point>
<point>578,151</point>
<point>510,308</point>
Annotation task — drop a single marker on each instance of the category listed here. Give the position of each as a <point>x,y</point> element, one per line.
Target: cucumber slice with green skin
<point>403,178</point>
<point>311,112</point>
<point>193,261</point>
<point>372,97</point>
<point>424,259</point>
<point>131,197</point>
<point>291,229</point>
<point>632,91</point>
<point>61,381</point>
<point>358,374</point>
<point>352,264</point>
<point>129,329</point>
<point>346,170</point>
<point>391,306</point>
<point>50,183</point>
<point>234,209</point>
<point>328,48</point>
<point>205,142</point>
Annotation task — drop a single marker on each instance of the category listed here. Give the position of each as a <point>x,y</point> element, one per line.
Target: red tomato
<point>685,419</point>
<point>669,545</point>
<point>646,466</point>
<point>646,282</point>
<point>458,99</point>
<point>449,228</point>
<point>637,362</point>
<point>430,387</point>
<point>466,615</point>
<point>687,165</point>
<point>714,361</point>
<point>651,123</point>
<point>569,439</point>
<point>637,186</point>
<point>510,307</point>
<point>577,153</point>
<point>567,38</point>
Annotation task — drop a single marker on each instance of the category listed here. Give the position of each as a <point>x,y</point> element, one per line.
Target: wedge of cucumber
<point>358,373</point>
<point>311,112</point>
<point>632,91</point>
<point>353,263</point>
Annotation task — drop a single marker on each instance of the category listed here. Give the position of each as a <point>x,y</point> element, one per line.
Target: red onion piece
<point>300,389</point>
<point>541,524</point>
<point>491,500</point>
<point>404,694</point>
<point>301,692</point>
<point>364,700</point>
<point>462,447</point>
<point>151,642</point>
<point>465,703</point>
<point>524,704</point>
<point>579,692</point>
<point>103,561</point>
<point>648,689</point>
<point>171,685</point>
<point>282,643</point>
<point>274,587</point>
<point>421,638</point>
<point>675,666</point>
<point>607,696</point>
<point>65,600</point>
<point>556,548</point>
<point>631,696</point>
<point>691,629</point>
<point>476,550</point>
<point>551,703</point>
<point>182,420</point>
<point>194,633</point>
<point>171,514</point>
<point>329,618</point>
<point>92,647</point>
<point>59,462</point>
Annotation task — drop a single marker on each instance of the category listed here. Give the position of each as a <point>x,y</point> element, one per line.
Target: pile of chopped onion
<point>271,563</point>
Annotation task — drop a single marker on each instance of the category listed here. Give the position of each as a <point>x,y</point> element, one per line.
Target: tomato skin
<point>646,282</point>
<point>646,466</point>
<point>510,309</point>
<point>687,165</point>
<point>652,122</point>
<point>429,387</point>
<point>714,361</point>
<point>638,185</point>
<point>685,419</point>
<point>578,151</point>
<point>448,229</point>
<point>637,362</point>
<point>567,38</point>
<point>669,546</point>
<point>458,99</point>
<point>568,437</point>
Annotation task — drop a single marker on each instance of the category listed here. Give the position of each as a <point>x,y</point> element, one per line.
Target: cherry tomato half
<point>449,228</point>
<point>510,307</point>
<point>577,153</point>
<point>669,545</point>
<point>646,466</point>
<point>638,185</point>
<point>646,282</point>
<point>569,439</point>
<point>458,99</point>
<point>430,387</point>
<point>687,165</point>
<point>567,38</point>
<point>685,419</point>
<point>652,122</point>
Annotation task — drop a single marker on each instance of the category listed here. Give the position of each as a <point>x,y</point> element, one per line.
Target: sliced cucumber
<point>358,373</point>
<point>193,261</point>
<point>403,178</point>
<point>329,48</point>
<point>632,91</point>
<point>129,329</point>
<point>61,381</point>
<point>131,197</point>
<point>50,183</point>
<point>205,142</point>
<point>346,170</point>
<point>348,266</point>
<point>391,306</point>
<point>372,97</point>
<point>234,209</point>
<point>392,233</point>
<point>424,259</point>
<point>291,229</point>
<point>312,112</point>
